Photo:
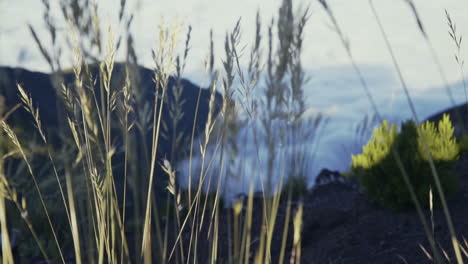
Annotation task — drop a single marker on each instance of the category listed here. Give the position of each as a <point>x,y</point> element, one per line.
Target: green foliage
<point>441,144</point>
<point>377,171</point>
<point>463,143</point>
<point>349,174</point>
<point>377,148</point>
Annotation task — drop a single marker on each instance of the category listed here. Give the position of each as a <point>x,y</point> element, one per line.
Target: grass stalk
<point>7,129</point>
<point>413,111</point>
<point>363,82</point>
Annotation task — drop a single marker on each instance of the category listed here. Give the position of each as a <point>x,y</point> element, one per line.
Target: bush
<point>378,174</point>
<point>440,141</point>
<point>463,143</point>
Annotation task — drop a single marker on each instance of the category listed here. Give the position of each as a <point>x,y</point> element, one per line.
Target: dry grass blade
<point>7,129</point>
<point>428,255</point>
<point>163,58</point>
<point>363,82</point>
<point>457,40</point>
<point>10,112</point>
<point>455,242</point>
<point>285,230</point>
<point>5,193</point>
<point>42,49</point>
<point>464,248</point>
<point>296,251</point>
<point>74,221</point>
<point>402,259</point>
<point>275,115</point>
<point>28,104</point>
<point>416,16</point>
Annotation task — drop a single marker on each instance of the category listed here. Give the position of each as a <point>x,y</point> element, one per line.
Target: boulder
<point>327,176</point>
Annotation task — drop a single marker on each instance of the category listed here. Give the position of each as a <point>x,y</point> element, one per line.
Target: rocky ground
<point>347,228</point>
<point>340,225</point>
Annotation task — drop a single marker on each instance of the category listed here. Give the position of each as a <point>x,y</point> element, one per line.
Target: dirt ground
<point>340,225</point>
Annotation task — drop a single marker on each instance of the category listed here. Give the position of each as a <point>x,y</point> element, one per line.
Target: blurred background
<point>333,88</point>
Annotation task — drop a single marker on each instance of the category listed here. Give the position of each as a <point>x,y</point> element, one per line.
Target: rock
<point>327,176</point>
<point>46,95</point>
<point>458,116</point>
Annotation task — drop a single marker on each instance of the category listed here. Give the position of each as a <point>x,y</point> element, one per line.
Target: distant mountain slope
<point>458,116</point>
<point>45,91</point>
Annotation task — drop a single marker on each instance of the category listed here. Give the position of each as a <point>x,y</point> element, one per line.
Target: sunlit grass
<point>183,226</point>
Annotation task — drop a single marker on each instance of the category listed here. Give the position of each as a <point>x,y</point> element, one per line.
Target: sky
<point>333,87</point>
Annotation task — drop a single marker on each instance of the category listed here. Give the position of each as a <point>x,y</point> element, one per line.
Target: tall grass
<point>89,118</point>
<point>170,224</point>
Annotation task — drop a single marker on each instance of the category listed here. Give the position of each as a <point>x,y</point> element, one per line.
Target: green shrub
<point>440,141</point>
<point>377,148</point>
<point>378,174</point>
<point>463,143</point>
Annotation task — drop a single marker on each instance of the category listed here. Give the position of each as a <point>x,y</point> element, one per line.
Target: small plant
<point>377,171</point>
<point>377,148</point>
<point>441,143</point>
<point>463,143</point>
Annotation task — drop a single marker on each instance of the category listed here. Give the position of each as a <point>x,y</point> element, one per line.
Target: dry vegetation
<point>91,224</point>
